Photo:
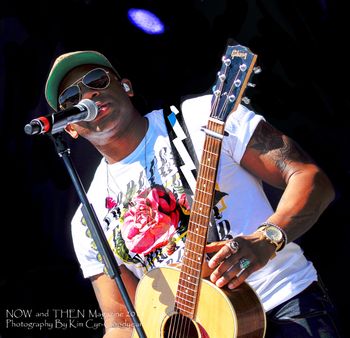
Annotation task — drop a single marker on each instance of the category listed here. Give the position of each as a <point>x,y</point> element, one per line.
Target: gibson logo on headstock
<point>239,54</point>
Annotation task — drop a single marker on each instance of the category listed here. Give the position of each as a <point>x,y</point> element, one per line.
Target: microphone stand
<point>96,229</point>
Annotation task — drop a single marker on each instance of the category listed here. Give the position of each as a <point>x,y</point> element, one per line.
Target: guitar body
<point>220,312</point>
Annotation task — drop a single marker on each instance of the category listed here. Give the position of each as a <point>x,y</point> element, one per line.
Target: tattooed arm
<point>280,162</point>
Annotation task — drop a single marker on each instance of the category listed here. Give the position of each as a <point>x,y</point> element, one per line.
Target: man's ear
<point>127,86</point>
<point>71,131</point>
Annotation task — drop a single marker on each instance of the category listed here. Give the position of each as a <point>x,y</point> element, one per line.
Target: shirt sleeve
<point>84,247</point>
<point>239,126</point>
<point>83,243</point>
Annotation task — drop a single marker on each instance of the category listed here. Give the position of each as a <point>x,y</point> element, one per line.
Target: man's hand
<point>232,264</point>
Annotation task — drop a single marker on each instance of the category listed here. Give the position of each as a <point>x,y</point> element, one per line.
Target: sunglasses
<point>97,78</point>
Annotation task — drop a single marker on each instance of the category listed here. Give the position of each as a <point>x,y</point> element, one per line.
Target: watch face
<point>274,234</point>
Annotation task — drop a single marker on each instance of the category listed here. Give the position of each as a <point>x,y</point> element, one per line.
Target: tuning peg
<point>226,61</point>
<point>243,67</point>
<point>222,77</point>
<point>249,84</point>
<point>245,100</point>
<point>237,82</point>
<point>232,98</point>
<point>257,70</point>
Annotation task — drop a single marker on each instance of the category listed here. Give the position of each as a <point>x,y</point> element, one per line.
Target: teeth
<point>102,107</point>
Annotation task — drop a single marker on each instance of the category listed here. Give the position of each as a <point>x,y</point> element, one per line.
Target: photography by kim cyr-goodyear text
<point>50,319</point>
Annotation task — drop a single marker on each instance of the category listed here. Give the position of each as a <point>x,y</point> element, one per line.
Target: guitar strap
<point>186,159</point>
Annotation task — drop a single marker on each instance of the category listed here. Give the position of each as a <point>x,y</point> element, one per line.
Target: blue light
<point>146,21</point>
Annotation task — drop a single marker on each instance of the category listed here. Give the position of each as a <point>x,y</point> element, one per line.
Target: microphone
<point>85,110</point>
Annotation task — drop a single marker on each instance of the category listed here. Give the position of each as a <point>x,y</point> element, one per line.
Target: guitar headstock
<point>232,79</point>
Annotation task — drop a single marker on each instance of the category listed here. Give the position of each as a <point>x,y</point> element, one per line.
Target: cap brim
<point>66,63</point>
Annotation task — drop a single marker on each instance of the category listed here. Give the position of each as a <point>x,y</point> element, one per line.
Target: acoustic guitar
<point>176,303</point>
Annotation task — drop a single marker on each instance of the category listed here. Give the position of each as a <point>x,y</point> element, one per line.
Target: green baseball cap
<point>65,63</point>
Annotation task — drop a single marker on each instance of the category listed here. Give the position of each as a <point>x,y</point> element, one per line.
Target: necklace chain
<point>109,175</point>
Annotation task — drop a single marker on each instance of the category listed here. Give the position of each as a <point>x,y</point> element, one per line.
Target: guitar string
<point>215,146</point>
<point>176,326</point>
<point>214,143</point>
<point>211,145</point>
<point>183,327</point>
<point>216,101</point>
<point>206,171</point>
<point>179,324</point>
<point>224,106</point>
<point>185,322</point>
<point>186,327</point>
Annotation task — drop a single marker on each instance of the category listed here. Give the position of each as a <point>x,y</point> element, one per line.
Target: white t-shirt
<point>240,207</point>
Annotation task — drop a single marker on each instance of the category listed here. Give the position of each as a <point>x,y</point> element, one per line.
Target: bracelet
<point>284,234</point>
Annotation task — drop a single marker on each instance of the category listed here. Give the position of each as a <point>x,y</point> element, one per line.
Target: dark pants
<point>308,314</point>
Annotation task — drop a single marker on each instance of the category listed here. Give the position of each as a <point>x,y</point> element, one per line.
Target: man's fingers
<point>237,281</point>
<point>220,256</point>
<point>214,246</point>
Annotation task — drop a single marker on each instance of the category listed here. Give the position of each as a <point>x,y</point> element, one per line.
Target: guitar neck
<point>237,67</point>
<point>191,269</point>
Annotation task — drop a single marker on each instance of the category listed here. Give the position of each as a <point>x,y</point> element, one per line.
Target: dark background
<point>303,90</point>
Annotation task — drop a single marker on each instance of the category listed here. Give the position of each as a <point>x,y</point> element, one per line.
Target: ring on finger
<point>233,246</point>
<point>244,263</point>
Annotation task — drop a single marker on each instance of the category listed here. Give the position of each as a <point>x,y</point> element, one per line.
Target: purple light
<point>146,21</point>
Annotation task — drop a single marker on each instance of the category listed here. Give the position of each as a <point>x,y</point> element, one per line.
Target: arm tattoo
<point>281,149</point>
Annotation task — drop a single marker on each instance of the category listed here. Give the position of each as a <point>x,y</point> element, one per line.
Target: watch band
<point>284,235</point>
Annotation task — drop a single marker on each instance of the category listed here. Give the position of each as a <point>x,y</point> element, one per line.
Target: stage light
<point>146,21</point>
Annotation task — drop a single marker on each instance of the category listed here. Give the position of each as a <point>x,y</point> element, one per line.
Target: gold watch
<point>274,234</point>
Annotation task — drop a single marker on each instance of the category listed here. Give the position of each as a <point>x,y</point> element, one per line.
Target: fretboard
<point>191,270</point>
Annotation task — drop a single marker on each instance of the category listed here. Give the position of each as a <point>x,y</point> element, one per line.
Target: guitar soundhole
<point>179,326</point>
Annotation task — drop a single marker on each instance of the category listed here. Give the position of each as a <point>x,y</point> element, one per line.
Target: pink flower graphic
<point>151,220</point>
<point>183,202</point>
<point>110,202</point>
